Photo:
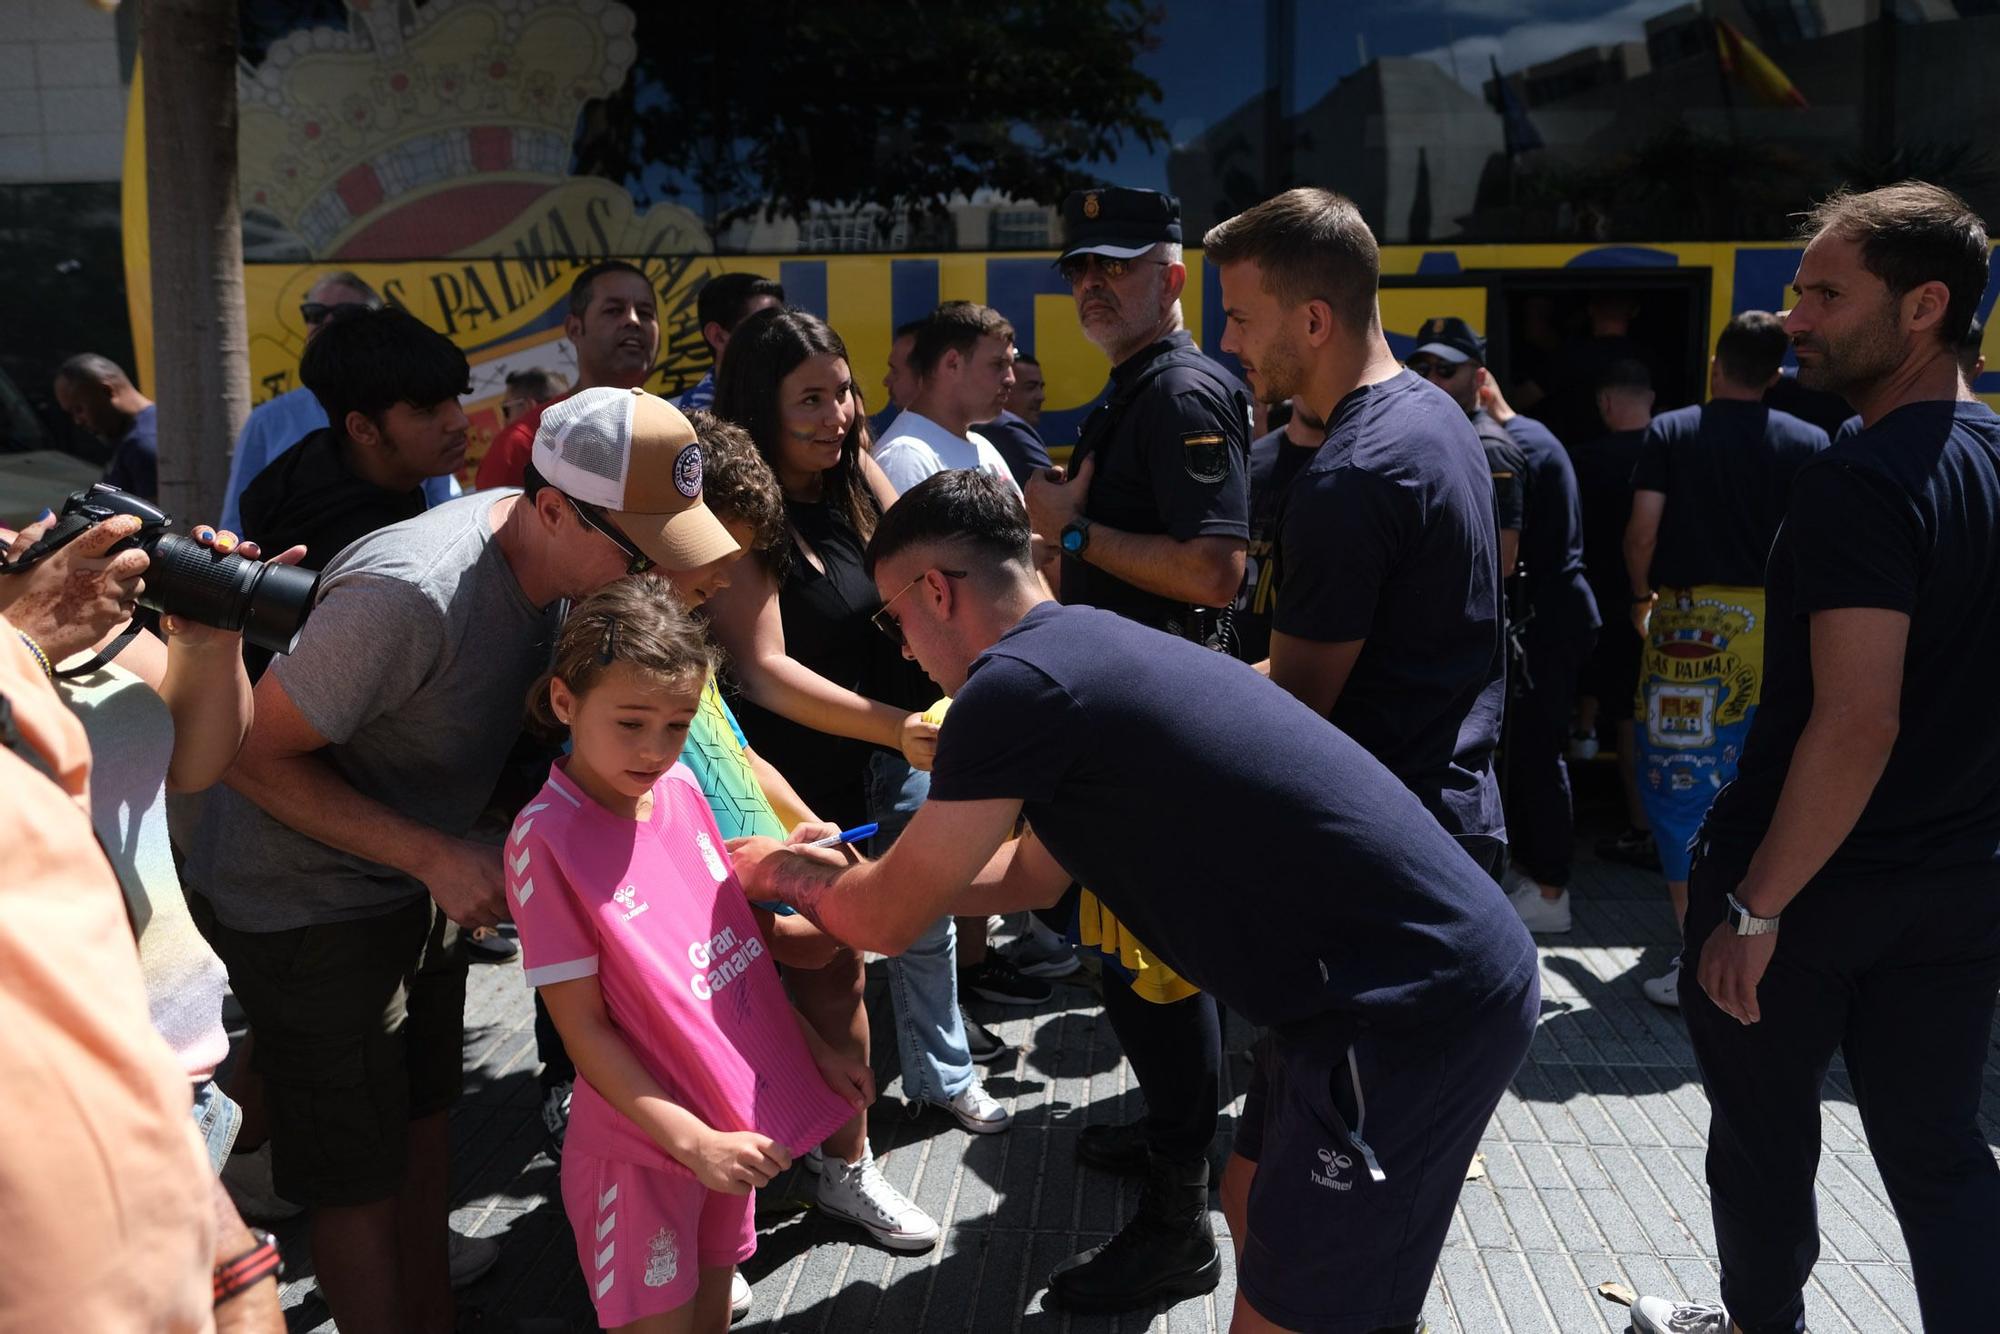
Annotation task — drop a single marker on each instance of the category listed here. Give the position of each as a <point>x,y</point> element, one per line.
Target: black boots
<point>1165,1253</point>
<point>1117,1149</point>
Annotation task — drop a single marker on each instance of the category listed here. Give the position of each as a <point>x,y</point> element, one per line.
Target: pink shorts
<point>643,1236</point>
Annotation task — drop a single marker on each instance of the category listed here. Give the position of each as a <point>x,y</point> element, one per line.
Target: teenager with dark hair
<point>725,301</point>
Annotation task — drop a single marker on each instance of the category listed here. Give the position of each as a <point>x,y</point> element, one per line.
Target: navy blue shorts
<point>1360,1156</point>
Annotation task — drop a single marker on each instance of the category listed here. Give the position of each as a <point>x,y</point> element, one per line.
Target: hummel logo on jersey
<point>626,898</point>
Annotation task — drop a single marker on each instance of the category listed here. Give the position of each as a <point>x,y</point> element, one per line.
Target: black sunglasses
<point>319,312</point>
<point>1432,368</point>
<point>1074,269</point>
<point>595,519</point>
<point>887,624</point>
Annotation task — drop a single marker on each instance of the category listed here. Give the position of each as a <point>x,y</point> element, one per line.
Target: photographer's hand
<point>77,595</point>
<point>182,632</point>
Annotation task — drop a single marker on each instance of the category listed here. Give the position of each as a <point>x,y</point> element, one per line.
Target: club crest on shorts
<point>1336,1165</point>
<point>687,471</point>
<point>663,1258</point>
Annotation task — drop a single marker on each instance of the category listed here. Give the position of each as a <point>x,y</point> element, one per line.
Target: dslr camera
<point>268,603</point>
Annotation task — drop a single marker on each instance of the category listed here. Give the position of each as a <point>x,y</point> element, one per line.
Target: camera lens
<point>268,603</point>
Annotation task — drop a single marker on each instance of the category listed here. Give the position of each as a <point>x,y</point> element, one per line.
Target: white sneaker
<point>1545,916</point>
<point>739,1296</point>
<point>976,1110</point>
<point>471,1257</point>
<point>1656,1315</point>
<point>858,1193</point>
<point>248,1179</point>
<point>1666,988</point>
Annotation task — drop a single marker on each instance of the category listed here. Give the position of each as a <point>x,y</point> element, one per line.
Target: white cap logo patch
<point>687,471</point>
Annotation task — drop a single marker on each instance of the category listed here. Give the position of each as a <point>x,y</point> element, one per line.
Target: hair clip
<point>609,653</point>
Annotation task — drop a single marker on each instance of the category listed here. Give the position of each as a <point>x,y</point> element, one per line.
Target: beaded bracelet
<point>41,658</point>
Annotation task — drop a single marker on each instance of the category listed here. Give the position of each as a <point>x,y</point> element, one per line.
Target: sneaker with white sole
<point>1543,916</point>
<point>739,1296</point>
<point>1656,1315</point>
<point>470,1257</point>
<point>976,1110</point>
<point>1666,988</point>
<point>996,980</point>
<point>1040,952</point>
<point>858,1193</point>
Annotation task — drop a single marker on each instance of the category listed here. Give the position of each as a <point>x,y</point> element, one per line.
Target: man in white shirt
<point>963,359</point>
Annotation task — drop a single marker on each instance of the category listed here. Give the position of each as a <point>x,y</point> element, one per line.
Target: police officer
<point>1152,520</point>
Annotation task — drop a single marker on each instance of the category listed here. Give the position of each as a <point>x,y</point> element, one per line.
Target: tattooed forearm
<point>805,885</point>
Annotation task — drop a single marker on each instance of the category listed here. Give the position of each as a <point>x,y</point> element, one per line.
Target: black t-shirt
<point>1509,469</point>
<point>1552,540</point>
<point>1570,410</point>
<point>1604,491</point>
<point>1388,535</point>
<point>1275,462</point>
<point>1173,459</point>
<point>827,628</point>
<point>1726,469</point>
<point>1905,516</point>
<point>1019,443</point>
<point>1264,855</point>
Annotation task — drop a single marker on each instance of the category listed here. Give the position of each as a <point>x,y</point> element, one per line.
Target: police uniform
<point>1170,446</point>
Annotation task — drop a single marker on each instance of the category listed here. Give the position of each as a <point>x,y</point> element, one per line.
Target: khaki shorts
<point>358,1029</point>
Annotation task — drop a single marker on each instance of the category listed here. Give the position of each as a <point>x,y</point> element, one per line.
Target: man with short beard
<point>1866,810</point>
<point>1387,618</point>
<point>614,325</point>
<point>1152,519</point>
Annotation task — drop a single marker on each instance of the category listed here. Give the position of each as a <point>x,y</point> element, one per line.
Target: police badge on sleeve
<point>1205,455</point>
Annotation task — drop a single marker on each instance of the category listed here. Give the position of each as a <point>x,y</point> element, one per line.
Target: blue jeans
<point>218,1118</point>
<point>923,979</point>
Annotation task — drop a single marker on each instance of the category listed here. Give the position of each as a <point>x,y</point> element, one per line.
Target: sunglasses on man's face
<point>316,313</point>
<point>1077,267</point>
<point>1433,368</point>
<point>888,624</point>
<point>598,522</point>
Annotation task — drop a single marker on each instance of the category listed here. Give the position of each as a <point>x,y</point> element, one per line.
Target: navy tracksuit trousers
<point>1899,977</point>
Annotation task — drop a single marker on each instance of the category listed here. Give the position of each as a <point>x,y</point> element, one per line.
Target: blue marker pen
<point>854,835</point>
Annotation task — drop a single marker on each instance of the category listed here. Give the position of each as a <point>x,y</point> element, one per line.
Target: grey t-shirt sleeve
<point>367,647</point>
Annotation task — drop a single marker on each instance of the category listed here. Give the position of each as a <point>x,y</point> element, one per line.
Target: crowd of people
<point>1265,698</point>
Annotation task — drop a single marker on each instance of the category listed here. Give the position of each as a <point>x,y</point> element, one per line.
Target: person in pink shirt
<point>698,1082</point>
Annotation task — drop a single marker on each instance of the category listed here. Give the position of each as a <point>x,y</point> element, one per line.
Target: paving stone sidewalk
<point>1593,1173</point>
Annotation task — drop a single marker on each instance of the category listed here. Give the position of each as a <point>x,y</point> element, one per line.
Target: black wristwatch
<point>1076,535</point>
<point>1743,924</point>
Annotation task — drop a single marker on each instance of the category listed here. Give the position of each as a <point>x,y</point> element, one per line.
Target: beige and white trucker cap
<point>633,455</point>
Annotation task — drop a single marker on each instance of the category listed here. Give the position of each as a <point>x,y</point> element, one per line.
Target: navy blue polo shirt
<point>1509,469</point>
<point>1552,540</point>
<point>1174,459</point>
<point>1265,856</point>
<point>1726,469</point>
<point>1904,516</point>
<point>1389,537</point>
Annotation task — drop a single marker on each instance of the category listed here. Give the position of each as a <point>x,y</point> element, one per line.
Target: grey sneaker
<point>471,1257</point>
<point>1656,1315</point>
<point>858,1193</point>
<point>1040,952</point>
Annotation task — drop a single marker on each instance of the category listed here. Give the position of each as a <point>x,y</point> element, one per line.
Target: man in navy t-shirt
<point>1388,617</point>
<point>1268,858</point>
<point>1847,892</point>
<point>1708,491</point>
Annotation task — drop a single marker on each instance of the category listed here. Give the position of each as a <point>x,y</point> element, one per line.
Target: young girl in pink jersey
<point>697,1081</point>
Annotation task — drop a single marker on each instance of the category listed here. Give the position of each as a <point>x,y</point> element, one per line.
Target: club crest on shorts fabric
<point>687,471</point>
<point>663,1258</point>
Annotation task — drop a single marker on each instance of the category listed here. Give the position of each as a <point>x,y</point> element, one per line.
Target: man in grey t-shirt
<point>332,867</point>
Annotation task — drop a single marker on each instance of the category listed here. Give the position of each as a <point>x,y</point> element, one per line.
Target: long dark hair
<point>765,348</point>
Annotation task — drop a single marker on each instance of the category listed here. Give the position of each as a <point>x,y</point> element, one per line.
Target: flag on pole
<point>1756,71</point>
<point>1518,132</point>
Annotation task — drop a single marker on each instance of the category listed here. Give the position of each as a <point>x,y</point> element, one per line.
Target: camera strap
<point>103,655</point>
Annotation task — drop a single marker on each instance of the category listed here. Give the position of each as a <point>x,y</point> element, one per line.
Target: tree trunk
<point>201,354</point>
